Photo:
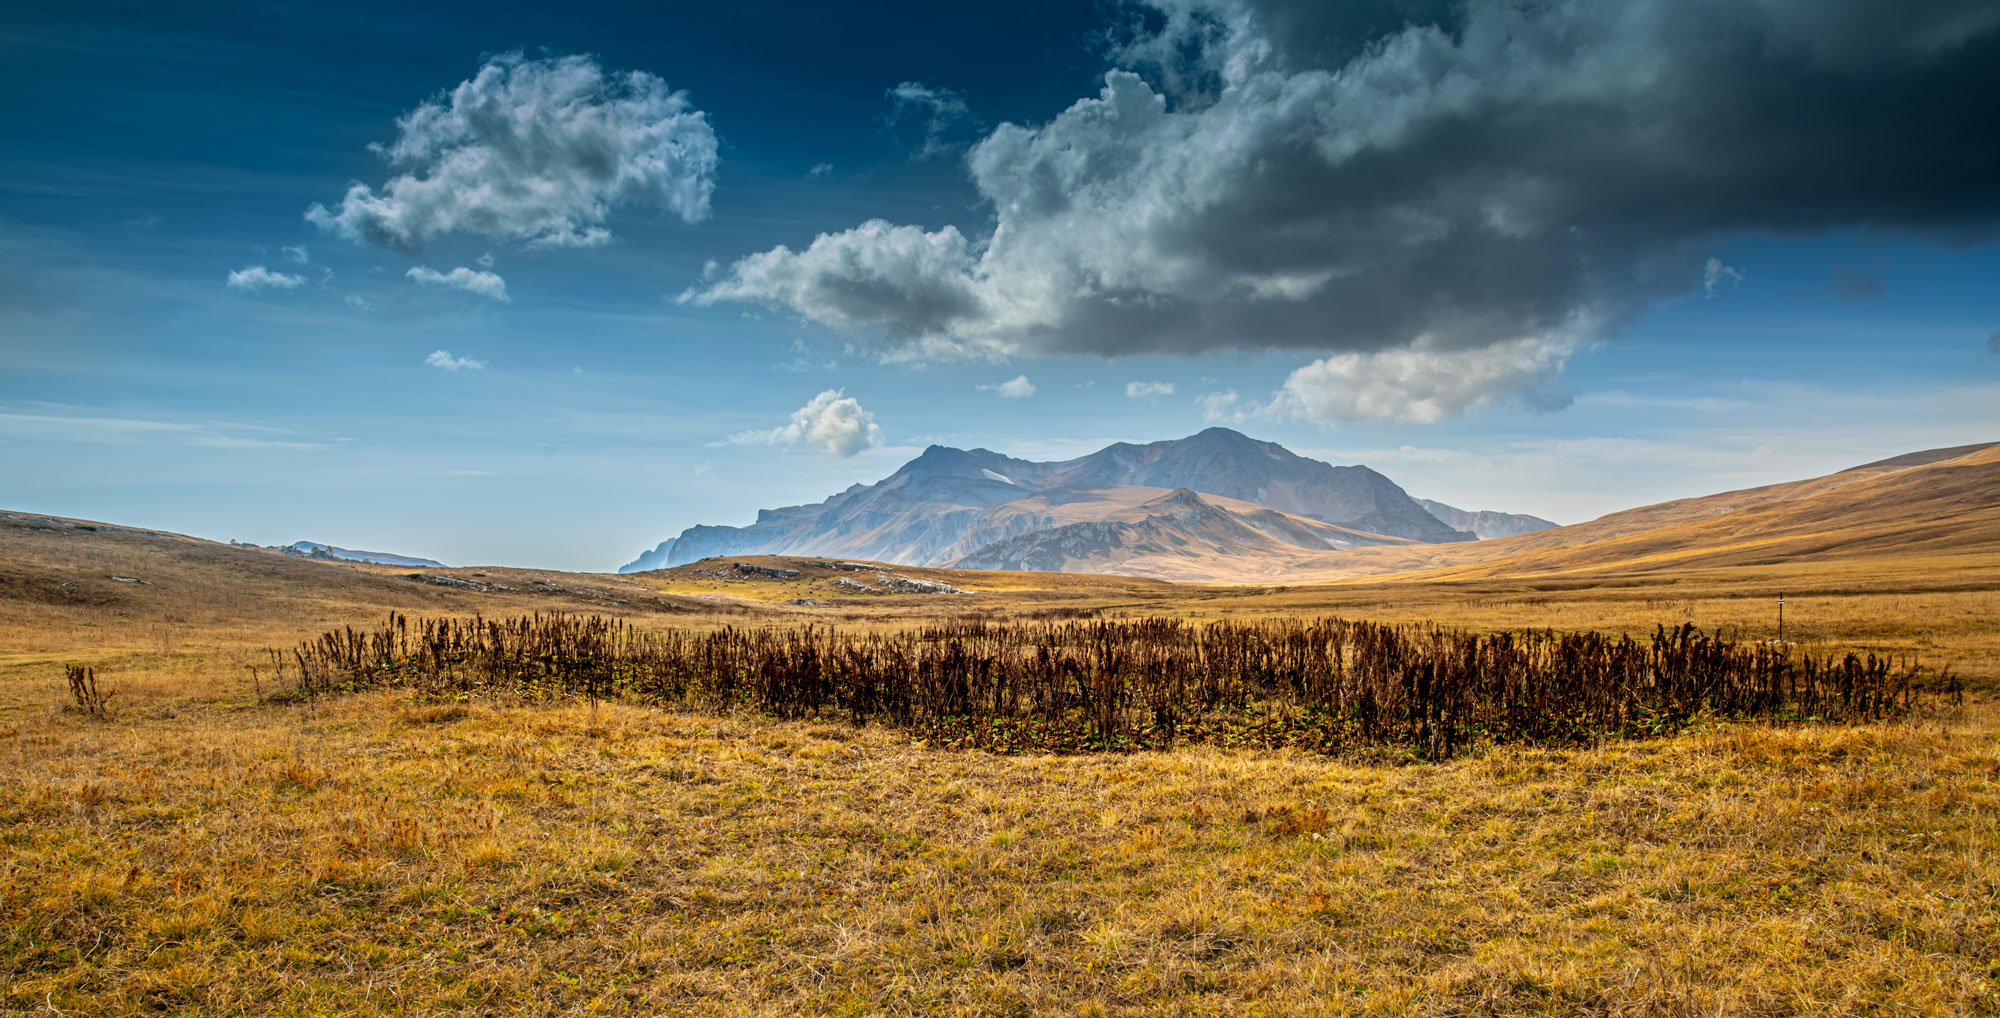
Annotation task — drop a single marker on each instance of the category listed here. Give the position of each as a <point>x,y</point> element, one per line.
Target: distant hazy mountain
<point>314,549</point>
<point>655,559</point>
<point>949,503</point>
<point>1487,525</point>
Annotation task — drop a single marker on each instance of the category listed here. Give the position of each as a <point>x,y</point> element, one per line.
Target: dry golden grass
<point>384,856</point>
<point>200,853</point>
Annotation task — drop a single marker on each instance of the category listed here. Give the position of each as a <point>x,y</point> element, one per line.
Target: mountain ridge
<point>925,512</point>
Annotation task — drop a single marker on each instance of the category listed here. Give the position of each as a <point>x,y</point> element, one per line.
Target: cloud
<point>1424,385</point>
<point>1221,407</point>
<point>1017,387</point>
<point>444,359</point>
<point>297,253</point>
<point>1856,284</point>
<point>257,277</point>
<point>832,422</point>
<point>359,302</point>
<point>129,431</point>
<point>485,284</point>
<point>537,152</point>
<point>898,277</point>
<point>1148,390</point>
<point>938,110</point>
<point>820,170</point>
<point>1418,174</point>
<point>1714,274</point>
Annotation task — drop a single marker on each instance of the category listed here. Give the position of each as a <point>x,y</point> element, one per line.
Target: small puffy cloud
<point>832,422</point>
<point>534,151</point>
<point>1148,390</point>
<point>1220,407</point>
<point>1714,274</point>
<point>938,110</point>
<point>1017,387</point>
<point>444,359</point>
<point>297,253</point>
<point>1424,385</point>
<point>820,170</point>
<point>359,302</point>
<point>485,284</point>
<point>257,277</point>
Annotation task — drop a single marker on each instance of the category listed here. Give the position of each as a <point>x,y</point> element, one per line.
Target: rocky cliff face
<point>948,503</point>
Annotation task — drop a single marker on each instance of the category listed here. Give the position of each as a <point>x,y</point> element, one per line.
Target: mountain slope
<point>1175,535</point>
<point>1488,525</point>
<point>949,502</point>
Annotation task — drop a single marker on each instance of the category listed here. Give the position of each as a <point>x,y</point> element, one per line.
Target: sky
<point>543,285</point>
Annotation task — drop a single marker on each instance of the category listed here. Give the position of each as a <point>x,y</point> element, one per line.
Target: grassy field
<point>198,852</point>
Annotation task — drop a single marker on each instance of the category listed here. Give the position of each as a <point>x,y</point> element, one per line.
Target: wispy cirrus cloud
<point>93,430</point>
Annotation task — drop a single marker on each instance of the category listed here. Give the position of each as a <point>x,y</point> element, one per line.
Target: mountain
<point>1487,525</point>
<point>948,503</point>
<point>314,549</point>
<point>1175,535</point>
<point>655,559</point>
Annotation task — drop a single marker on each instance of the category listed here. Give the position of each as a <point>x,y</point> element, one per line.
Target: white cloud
<point>820,170</point>
<point>257,277</point>
<point>444,359</point>
<point>1423,385</point>
<point>297,253</point>
<point>849,280</point>
<point>129,431</point>
<point>1221,407</point>
<point>1714,274</point>
<point>832,422</point>
<point>1148,390</point>
<point>1017,387</point>
<point>485,284</point>
<point>937,109</point>
<point>358,302</point>
<point>534,151</point>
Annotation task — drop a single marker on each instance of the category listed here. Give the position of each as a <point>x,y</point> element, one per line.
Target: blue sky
<point>630,385</point>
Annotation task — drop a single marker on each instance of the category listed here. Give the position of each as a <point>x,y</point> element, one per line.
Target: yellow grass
<point>200,853</point>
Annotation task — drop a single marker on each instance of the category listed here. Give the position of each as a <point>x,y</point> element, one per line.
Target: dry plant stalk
<point>83,689</point>
<point>1326,684</point>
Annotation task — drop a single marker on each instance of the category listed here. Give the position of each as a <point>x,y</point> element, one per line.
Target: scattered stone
<point>131,579</point>
<point>852,587</point>
<point>807,602</point>
<point>911,585</point>
<point>746,569</point>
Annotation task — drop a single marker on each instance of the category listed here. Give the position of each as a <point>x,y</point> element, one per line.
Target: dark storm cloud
<point>1382,177</point>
